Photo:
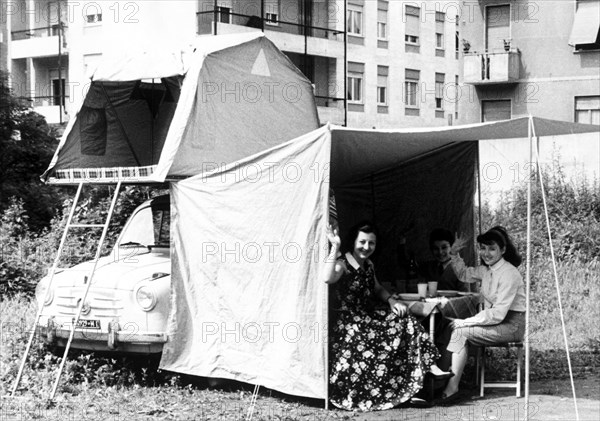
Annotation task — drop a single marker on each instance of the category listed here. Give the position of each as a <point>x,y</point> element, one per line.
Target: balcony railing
<point>207,18</point>
<point>46,31</point>
<point>42,101</point>
<point>492,68</point>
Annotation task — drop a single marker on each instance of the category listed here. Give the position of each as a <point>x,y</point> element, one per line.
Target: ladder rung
<point>86,226</point>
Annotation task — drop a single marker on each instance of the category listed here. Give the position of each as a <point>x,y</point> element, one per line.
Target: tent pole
<point>562,316</point>
<point>528,265</point>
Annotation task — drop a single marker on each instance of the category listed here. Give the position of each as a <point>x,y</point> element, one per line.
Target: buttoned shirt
<point>502,289</point>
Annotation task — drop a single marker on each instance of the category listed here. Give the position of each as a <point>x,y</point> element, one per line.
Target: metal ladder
<point>81,300</point>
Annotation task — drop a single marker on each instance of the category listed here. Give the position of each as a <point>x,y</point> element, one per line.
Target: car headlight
<point>40,293</point>
<point>145,298</point>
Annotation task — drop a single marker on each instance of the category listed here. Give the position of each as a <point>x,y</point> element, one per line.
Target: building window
<point>495,110</point>
<point>58,92</point>
<point>585,33</point>
<point>93,18</point>
<point>382,17</point>
<point>223,14</point>
<point>439,41</point>
<point>497,24</point>
<point>272,12</point>
<point>381,30</point>
<point>456,96</point>
<point>355,86</point>
<point>439,90</point>
<point>355,20</point>
<point>382,85</point>
<point>440,18</point>
<point>456,43</point>
<point>412,19</point>
<point>587,109</point>
<point>411,87</point>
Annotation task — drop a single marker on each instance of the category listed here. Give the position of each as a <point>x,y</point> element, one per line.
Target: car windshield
<point>149,226</point>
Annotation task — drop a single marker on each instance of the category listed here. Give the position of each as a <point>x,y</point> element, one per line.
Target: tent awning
<point>357,158</point>
<point>586,23</point>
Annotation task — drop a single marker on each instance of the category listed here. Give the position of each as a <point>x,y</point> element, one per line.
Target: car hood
<point>122,273</point>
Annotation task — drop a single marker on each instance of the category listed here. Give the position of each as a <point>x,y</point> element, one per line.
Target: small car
<point>127,305</point>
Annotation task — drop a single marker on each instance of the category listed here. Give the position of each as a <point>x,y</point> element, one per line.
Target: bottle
<point>413,273</point>
<point>402,271</point>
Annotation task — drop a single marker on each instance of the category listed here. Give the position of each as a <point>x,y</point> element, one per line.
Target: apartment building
<point>373,63</point>
<point>397,66</point>
<point>531,57</point>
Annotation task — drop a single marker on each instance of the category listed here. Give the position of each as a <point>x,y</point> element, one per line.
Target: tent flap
<point>246,300</point>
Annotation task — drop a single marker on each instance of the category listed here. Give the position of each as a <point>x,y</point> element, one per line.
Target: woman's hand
<point>398,307</point>
<point>458,245</point>
<point>333,237</point>
<point>457,323</point>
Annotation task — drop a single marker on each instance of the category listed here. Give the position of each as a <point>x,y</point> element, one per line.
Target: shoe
<point>443,376</point>
<point>453,399</point>
<point>419,403</point>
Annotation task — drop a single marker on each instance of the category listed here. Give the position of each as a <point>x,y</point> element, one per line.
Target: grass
<point>105,388</point>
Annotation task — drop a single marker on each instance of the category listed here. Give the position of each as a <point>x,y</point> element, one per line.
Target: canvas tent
<point>149,116</point>
<point>249,240</point>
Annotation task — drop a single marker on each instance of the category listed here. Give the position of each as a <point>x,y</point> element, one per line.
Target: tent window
<point>92,129</point>
<point>585,34</point>
<point>587,109</point>
<point>495,110</point>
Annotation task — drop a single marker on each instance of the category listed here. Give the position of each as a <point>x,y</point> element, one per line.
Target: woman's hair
<point>440,234</point>
<point>499,236</point>
<point>364,226</point>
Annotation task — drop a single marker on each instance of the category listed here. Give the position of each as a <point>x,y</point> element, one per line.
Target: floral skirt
<point>378,360</point>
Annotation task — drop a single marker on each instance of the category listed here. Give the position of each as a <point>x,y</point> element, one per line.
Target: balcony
<point>38,42</point>
<point>288,36</point>
<point>330,110</point>
<point>492,68</point>
<point>48,107</point>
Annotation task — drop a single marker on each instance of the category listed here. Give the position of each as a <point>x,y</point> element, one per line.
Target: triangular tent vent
<point>260,66</point>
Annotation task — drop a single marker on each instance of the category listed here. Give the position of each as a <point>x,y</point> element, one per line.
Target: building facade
<point>373,63</point>
<point>538,58</point>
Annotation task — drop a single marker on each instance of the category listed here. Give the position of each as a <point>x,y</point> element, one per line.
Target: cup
<point>432,286</point>
<point>422,288</point>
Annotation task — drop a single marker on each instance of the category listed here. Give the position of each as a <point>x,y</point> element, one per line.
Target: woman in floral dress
<point>379,358</point>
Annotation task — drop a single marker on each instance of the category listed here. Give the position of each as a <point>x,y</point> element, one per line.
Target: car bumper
<point>114,340</point>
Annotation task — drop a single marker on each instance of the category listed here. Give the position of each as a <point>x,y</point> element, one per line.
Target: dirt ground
<point>548,400</point>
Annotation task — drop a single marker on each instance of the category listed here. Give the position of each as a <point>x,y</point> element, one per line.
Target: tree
<point>27,144</point>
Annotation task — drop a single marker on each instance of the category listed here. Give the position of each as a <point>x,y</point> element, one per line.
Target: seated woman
<point>439,269</point>
<point>503,293</point>
<point>379,358</point>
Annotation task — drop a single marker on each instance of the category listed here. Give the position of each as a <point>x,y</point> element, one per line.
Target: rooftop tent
<point>151,115</point>
<point>249,242</point>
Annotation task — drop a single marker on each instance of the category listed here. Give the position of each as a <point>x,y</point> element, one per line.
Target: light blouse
<point>502,289</point>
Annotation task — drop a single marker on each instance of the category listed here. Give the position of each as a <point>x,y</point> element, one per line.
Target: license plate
<point>88,324</point>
